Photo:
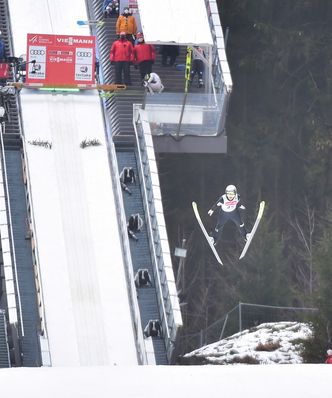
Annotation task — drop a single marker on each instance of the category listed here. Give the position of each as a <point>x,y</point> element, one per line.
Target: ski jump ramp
<point>78,243</point>
<point>87,313</point>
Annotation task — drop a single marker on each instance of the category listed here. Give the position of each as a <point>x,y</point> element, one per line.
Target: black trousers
<point>172,59</point>
<point>122,67</point>
<point>228,216</point>
<point>197,67</point>
<point>145,67</point>
<point>131,38</point>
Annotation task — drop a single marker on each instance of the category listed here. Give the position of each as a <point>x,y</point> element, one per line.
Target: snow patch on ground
<point>268,343</point>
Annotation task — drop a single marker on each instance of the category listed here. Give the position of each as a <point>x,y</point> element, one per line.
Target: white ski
<point>194,204</point>
<point>254,228</point>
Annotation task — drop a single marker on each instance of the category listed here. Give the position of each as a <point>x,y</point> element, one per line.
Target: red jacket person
<point>121,56</point>
<point>144,55</point>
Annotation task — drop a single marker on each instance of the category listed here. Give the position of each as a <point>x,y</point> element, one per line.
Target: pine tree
<point>316,347</point>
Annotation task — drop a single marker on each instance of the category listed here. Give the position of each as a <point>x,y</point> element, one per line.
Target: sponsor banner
<point>83,65</point>
<point>60,59</point>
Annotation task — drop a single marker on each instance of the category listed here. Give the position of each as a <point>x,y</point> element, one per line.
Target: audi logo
<point>84,54</point>
<point>37,52</point>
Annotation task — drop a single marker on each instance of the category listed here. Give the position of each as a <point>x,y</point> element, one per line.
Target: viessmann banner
<point>60,59</point>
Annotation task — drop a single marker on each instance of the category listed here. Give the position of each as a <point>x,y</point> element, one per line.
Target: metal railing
<point>43,337</point>
<point>244,316</point>
<point>220,69</point>
<point>122,225</point>
<point>4,347</point>
<point>112,128</point>
<point>200,116</point>
<point>7,245</point>
<point>221,73</point>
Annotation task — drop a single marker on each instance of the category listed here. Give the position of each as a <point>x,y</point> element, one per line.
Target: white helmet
<point>230,189</point>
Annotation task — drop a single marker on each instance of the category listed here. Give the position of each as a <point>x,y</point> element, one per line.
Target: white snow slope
<point>249,381</point>
<point>235,381</point>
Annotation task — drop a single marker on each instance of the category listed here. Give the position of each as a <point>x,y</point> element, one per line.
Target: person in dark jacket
<point>229,204</point>
<point>143,278</point>
<point>144,56</point>
<point>197,65</point>
<point>2,48</point>
<point>171,52</point>
<point>153,328</point>
<point>127,176</point>
<point>134,225</point>
<point>110,8</point>
<point>121,55</point>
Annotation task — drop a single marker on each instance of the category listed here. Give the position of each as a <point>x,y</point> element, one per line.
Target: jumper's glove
<point>210,212</point>
<point>242,207</point>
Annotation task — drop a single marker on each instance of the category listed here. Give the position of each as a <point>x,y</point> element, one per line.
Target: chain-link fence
<point>243,316</point>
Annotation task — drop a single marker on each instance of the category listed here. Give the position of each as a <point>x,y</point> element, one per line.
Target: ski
<point>253,231</point>
<point>188,68</point>
<point>198,217</point>
<point>97,22</point>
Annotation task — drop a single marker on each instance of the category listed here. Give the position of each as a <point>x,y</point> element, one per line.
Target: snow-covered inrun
<point>268,343</point>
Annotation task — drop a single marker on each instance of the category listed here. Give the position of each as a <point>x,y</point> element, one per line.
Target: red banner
<point>60,59</point>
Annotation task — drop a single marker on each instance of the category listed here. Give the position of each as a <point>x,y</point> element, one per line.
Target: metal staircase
<point>119,112</point>
<point>4,349</point>
<point>23,254</point>
<point>120,104</point>
<point>141,256</point>
<point>12,122</point>
<point>29,343</point>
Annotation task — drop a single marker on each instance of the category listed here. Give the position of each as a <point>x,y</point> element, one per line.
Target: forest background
<point>279,130</point>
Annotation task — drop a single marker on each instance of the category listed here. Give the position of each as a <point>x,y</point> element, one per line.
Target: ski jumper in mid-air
<point>229,205</point>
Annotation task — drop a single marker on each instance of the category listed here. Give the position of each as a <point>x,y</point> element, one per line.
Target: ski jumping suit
<point>154,84</point>
<point>197,65</point>
<point>229,210</point>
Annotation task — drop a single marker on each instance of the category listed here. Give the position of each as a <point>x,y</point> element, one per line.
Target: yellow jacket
<point>126,24</point>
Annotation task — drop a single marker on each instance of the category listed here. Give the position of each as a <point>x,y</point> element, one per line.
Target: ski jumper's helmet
<point>230,189</point>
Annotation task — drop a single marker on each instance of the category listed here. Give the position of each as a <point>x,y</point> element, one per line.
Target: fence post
<point>223,327</point>
<point>240,316</point>
<point>201,338</point>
